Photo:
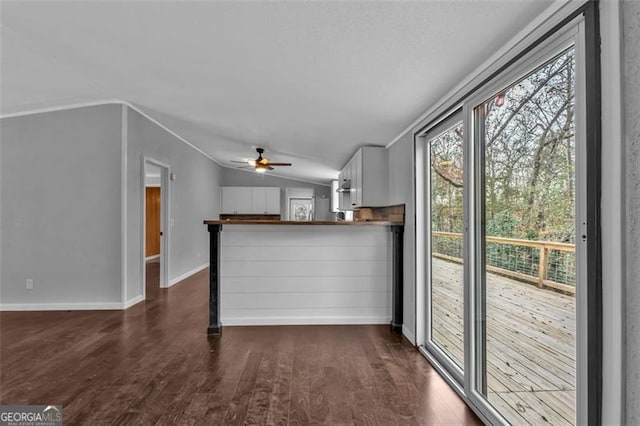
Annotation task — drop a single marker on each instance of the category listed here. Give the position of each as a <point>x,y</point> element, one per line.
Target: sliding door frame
<point>426,136</point>
<point>583,25</point>
<point>476,379</point>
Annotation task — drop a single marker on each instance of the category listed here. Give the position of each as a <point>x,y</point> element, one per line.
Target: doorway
<point>503,272</point>
<point>154,256</point>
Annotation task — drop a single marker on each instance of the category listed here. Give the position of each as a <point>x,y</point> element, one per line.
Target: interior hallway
<point>153,364</point>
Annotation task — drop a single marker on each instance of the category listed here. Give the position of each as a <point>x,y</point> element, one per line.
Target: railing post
<point>542,266</point>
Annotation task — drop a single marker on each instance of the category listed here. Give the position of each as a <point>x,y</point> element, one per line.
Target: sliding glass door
<point>505,200</point>
<point>445,186</point>
<point>526,281</point>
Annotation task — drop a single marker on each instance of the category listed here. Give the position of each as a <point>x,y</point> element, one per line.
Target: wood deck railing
<point>543,247</point>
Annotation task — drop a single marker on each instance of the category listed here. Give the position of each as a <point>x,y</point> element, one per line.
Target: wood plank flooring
<point>153,364</point>
<point>531,335</point>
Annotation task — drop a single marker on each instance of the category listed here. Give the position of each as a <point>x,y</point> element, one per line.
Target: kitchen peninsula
<point>267,272</point>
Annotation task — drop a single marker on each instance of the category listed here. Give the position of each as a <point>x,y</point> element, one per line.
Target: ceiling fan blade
<point>279,164</point>
<point>241,162</point>
<point>269,167</point>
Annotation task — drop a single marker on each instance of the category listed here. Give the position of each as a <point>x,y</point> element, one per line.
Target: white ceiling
<point>309,81</point>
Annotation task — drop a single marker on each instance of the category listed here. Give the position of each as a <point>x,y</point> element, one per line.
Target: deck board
<point>530,343</point>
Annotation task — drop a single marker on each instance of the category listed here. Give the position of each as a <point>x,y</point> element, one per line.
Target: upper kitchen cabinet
<point>365,179</point>
<point>266,200</point>
<point>250,200</point>
<point>236,200</point>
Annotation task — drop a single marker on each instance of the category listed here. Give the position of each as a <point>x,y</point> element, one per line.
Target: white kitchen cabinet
<point>272,201</point>
<point>367,171</point>
<point>250,200</point>
<point>356,180</point>
<point>258,201</point>
<point>236,200</point>
<point>341,195</point>
<point>345,181</point>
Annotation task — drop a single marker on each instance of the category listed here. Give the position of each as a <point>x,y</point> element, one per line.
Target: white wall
<point>61,206</point>
<point>193,197</point>
<point>401,191</point>
<point>60,202</point>
<point>631,90</point>
<point>305,274</point>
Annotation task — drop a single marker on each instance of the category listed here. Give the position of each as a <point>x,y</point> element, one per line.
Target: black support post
<point>214,280</point>
<point>396,315</point>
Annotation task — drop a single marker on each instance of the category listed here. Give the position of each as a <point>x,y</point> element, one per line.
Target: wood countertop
<point>295,222</point>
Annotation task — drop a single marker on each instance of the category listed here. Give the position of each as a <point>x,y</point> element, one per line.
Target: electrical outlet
<point>28,284</point>
<point>198,255</point>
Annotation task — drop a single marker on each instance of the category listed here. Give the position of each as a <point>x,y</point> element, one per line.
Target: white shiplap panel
<point>299,313</point>
<point>305,316</point>
<point>247,285</point>
<point>305,252</point>
<point>301,235</point>
<point>283,301</point>
<point>305,275</point>
<point>287,268</point>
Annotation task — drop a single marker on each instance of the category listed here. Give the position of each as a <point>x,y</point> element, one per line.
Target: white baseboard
<point>106,306</point>
<point>133,301</point>
<point>157,256</point>
<point>409,334</point>
<point>187,274</point>
<point>305,321</point>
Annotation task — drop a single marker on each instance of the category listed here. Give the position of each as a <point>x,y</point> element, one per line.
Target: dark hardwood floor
<point>153,364</point>
<point>152,278</point>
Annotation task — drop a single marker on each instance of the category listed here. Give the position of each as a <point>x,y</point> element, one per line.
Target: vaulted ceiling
<point>309,81</point>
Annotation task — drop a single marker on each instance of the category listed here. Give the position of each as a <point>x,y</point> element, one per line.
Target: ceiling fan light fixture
<point>260,164</point>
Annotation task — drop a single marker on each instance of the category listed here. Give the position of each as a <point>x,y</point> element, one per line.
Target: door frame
<point>424,137</point>
<point>165,173</point>
<point>589,318</point>
<point>572,34</point>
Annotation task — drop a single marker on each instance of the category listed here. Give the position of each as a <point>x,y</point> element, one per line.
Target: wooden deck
<point>530,344</point>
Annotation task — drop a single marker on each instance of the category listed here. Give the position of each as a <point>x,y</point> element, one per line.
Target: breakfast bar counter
<point>268,272</point>
<point>299,222</point>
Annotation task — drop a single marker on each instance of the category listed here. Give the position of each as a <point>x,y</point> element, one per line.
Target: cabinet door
<point>347,197</point>
<point>346,173</point>
<point>236,200</point>
<point>258,200</point>
<point>272,200</point>
<point>356,180</point>
<point>227,200</point>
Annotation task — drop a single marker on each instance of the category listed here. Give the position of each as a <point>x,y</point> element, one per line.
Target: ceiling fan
<point>260,164</point>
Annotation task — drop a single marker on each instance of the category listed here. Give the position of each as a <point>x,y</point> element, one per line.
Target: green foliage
<point>502,225</point>
<point>529,171</point>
